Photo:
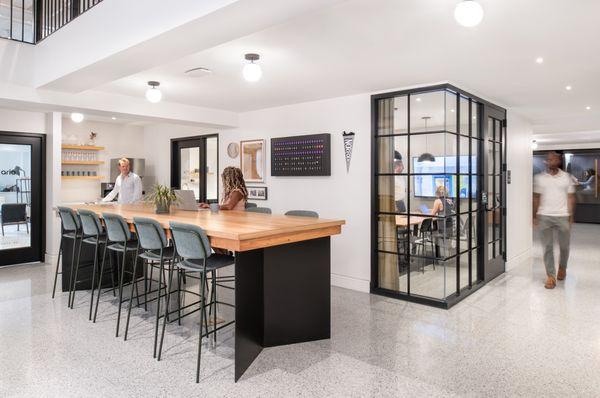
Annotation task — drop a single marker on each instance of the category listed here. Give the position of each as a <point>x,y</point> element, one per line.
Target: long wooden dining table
<point>282,272</point>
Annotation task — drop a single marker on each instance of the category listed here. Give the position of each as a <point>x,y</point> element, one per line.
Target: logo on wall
<point>348,144</point>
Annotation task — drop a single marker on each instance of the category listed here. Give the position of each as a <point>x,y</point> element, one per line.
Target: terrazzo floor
<point>511,338</point>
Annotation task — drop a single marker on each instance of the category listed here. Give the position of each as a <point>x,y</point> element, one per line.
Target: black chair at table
<point>194,255</point>
<point>120,240</point>
<point>249,205</point>
<point>13,214</point>
<point>302,213</point>
<point>264,210</point>
<point>70,227</point>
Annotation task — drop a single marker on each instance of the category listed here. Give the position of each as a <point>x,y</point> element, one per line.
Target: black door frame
<point>486,108</point>
<point>36,251</point>
<point>189,142</point>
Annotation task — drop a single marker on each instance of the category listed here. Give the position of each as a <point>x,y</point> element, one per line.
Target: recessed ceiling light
<point>452,110</point>
<point>474,117</point>
<point>539,60</point>
<point>568,88</point>
<point>468,13</point>
<point>77,117</point>
<point>588,108</point>
<point>198,72</point>
<point>113,118</point>
<point>418,99</point>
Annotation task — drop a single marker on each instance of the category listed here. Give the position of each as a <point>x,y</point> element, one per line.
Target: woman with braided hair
<point>235,193</point>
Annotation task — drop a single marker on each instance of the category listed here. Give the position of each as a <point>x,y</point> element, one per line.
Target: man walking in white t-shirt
<point>553,203</point>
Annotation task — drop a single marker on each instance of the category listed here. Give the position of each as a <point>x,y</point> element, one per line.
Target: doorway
<point>195,166</point>
<point>22,193</point>
<point>438,194</point>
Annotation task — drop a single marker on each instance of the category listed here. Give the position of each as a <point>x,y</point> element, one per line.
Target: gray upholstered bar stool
<point>70,227</point>
<point>154,250</point>
<point>264,210</point>
<point>93,233</point>
<point>195,256</point>
<point>120,240</point>
<point>302,213</point>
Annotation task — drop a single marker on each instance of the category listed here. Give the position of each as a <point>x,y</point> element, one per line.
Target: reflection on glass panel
<point>392,193</point>
<point>401,115</point>
<point>498,223</point>
<point>388,228</point>
<point>474,222</point>
<point>212,169</point>
<point>389,277</point>
<point>451,112</point>
<point>190,170</point>
<point>474,274</point>
<point>427,112</point>
<point>433,153</point>
<point>392,154</point>
<point>490,251</point>
<point>475,156</point>
<point>29,28</point>
<point>497,194</point>
<point>475,127</point>
<point>463,149</point>
<point>498,159</point>
<point>498,130</point>
<point>385,116</point>
<point>490,157</point>
<point>464,116</point>
<point>464,270</point>
<point>428,277</point>
<point>17,33</point>
<point>15,196</point>
<point>490,226</point>
<point>490,129</point>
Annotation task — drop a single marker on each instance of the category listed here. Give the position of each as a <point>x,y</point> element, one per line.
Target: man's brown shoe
<point>550,283</point>
<point>562,273</point>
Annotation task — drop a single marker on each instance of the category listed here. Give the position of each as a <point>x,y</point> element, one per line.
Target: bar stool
<point>70,229</point>
<point>93,233</point>
<point>264,210</point>
<point>120,240</point>
<point>193,247</point>
<point>302,213</point>
<point>155,249</point>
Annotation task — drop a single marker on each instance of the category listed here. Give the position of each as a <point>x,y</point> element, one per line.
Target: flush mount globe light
<point>468,13</point>
<point>153,94</point>
<point>252,72</point>
<point>77,117</point>
<point>534,145</point>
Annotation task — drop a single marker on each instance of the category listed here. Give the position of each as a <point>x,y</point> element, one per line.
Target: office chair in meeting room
<point>249,205</point>
<point>264,210</point>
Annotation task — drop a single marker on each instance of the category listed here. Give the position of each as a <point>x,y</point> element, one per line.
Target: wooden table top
<point>402,221</point>
<point>229,229</point>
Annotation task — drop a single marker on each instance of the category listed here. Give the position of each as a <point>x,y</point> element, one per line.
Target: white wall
<point>519,191</point>
<point>119,140</point>
<point>22,121</point>
<point>344,195</point>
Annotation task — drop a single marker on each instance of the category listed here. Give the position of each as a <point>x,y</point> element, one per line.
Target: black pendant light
<point>426,156</point>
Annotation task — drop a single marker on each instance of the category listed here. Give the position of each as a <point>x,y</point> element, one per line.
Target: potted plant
<point>162,197</point>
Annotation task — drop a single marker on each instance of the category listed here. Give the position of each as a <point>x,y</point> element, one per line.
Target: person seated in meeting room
<point>128,185</point>
<point>589,182</point>
<point>444,207</point>
<point>235,193</point>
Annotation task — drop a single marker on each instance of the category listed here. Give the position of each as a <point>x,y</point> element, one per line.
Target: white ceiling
<point>370,45</point>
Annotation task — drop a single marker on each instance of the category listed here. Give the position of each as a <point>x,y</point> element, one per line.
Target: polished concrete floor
<point>511,338</point>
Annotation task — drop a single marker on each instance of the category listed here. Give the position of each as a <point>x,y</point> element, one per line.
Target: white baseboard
<point>50,258</point>
<point>347,282</point>
<point>524,257</point>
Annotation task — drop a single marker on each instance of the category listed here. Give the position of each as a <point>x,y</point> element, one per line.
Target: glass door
<point>494,193</point>
<point>195,166</point>
<point>21,198</point>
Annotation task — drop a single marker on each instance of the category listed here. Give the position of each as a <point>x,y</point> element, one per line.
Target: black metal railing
<point>30,21</point>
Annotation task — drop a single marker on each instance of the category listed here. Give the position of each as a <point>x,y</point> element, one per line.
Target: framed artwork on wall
<point>257,193</point>
<point>252,160</point>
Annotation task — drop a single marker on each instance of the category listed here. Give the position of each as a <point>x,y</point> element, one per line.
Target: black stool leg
<point>133,284</point>
<point>76,272</point>
<point>145,269</point>
<point>57,265</point>
<point>72,269</point>
<point>214,298</point>
<point>202,303</point>
<point>168,300</point>
<point>94,276</point>
<point>160,274</point>
<point>121,288</point>
<point>100,280</point>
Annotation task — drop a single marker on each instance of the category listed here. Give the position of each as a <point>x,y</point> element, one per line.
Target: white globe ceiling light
<point>77,117</point>
<point>153,94</point>
<point>468,13</point>
<point>252,72</point>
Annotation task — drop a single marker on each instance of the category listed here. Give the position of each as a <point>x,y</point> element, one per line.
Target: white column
<point>53,181</point>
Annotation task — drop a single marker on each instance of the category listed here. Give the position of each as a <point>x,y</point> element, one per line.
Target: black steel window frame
<point>191,142</point>
<point>477,105</point>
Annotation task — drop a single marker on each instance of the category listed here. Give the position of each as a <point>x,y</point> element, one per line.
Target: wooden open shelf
<point>82,177</point>
<point>83,162</point>
<point>83,147</point>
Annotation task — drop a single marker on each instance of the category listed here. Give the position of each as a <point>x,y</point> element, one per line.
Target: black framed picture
<point>257,193</point>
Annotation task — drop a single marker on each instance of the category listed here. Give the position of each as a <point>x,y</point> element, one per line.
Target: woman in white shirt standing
<point>128,185</point>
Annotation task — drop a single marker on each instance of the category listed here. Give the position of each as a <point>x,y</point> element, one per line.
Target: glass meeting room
<point>425,198</point>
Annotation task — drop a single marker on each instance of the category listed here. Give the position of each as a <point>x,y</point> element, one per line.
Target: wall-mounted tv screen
<point>440,173</point>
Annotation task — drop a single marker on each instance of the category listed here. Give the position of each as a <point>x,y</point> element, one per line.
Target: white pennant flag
<point>348,144</point>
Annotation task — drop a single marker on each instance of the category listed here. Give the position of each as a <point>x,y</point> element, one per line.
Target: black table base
<point>282,296</point>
